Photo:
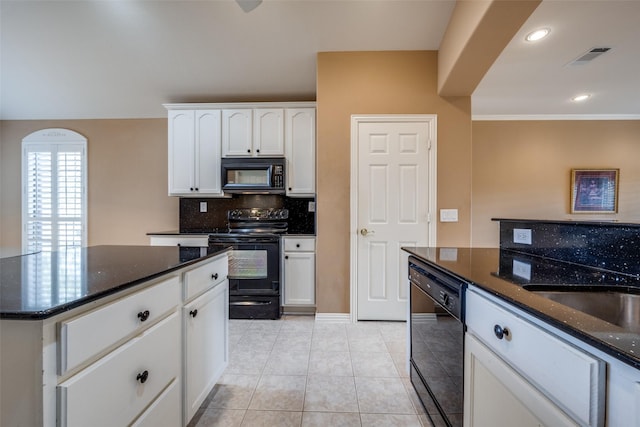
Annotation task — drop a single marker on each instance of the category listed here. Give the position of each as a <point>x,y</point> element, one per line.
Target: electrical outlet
<point>522,235</point>
<point>312,207</point>
<point>203,207</point>
<point>522,269</point>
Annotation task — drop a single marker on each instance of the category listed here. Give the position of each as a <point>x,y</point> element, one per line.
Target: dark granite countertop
<point>216,231</point>
<point>492,270</point>
<point>41,285</point>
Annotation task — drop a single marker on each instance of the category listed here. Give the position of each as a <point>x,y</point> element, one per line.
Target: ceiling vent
<point>590,55</point>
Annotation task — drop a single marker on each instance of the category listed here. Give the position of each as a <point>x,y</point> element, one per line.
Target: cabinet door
<point>207,156</point>
<point>299,278</point>
<point>496,395</point>
<point>268,132</point>
<point>300,142</point>
<point>236,132</point>
<point>206,352</point>
<point>181,152</point>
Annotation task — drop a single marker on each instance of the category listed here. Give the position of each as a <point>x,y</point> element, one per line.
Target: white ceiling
<point>124,58</point>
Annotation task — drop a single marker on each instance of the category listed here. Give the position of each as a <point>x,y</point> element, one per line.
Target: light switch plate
<point>203,207</point>
<point>448,215</point>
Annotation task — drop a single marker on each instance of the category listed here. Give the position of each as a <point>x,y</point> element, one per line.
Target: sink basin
<point>606,303</point>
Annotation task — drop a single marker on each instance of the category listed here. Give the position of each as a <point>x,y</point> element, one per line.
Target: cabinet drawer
<point>89,334</point>
<point>110,392</point>
<point>164,411</point>
<point>299,244</point>
<point>205,276</point>
<point>201,241</point>
<point>570,377</point>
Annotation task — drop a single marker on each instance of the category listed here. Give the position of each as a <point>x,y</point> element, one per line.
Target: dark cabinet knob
<point>197,189</point>
<point>258,150</point>
<point>214,276</point>
<point>289,188</point>
<point>191,188</point>
<point>142,378</point>
<point>501,332</point>
<point>286,257</point>
<point>297,245</point>
<point>248,150</point>
<point>194,313</point>
<point>143,315</point>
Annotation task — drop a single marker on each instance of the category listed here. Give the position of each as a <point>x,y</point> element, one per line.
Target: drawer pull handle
<point>214,276</point>
<point>143,315</point>
<point>194,313</point>
<point>501,332</point>
<point>142,378</point>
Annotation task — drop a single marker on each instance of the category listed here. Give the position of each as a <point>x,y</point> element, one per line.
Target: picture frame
<point>594,190</point>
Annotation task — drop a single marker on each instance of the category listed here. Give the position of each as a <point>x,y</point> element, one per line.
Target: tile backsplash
<point>301,221</point>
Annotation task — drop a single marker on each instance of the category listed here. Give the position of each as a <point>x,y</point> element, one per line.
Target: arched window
<point>54,196</point>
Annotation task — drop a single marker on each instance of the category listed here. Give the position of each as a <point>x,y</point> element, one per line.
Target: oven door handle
<point>247,303</point>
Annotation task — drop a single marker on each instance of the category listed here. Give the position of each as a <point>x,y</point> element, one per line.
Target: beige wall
<point>522,169</point>
<point>127,179</point>
<point>381,83</point>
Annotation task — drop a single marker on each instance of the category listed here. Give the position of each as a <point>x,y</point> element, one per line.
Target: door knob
<point>365,232</point>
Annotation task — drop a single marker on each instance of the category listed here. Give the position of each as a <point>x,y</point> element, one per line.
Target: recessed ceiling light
<point>537,35</point>
<point>580,98</point>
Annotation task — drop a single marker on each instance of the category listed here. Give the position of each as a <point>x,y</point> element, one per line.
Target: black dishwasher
<point>437,342</point>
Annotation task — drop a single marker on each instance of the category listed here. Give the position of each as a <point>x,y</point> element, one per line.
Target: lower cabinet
<point>518,372</point>
<point>299,271</point>
<point>206,352</point>
<point>118,387</point>
<point>496,394</point>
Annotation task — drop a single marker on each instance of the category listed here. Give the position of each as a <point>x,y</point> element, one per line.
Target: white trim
<point>509,117</point>
<point>333,318</point>
<point>432,196</point>
<point>234,105</point>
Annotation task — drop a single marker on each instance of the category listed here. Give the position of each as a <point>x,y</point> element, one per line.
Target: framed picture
<point>594,190</point>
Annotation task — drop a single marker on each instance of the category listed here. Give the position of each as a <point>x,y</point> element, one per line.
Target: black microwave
<point>256,175</point>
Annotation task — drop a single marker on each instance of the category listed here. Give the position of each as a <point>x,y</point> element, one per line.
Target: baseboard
<point>333,318</point>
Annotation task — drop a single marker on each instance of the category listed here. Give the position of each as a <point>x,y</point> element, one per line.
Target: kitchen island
<point>499,282</point>
<point>111,335</point>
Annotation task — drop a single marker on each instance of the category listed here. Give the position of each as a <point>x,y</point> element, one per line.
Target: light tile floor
<point>297,372</point>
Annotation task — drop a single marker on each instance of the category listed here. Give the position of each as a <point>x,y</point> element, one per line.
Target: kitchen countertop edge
<point>559,319</point>
<point>51,312</point>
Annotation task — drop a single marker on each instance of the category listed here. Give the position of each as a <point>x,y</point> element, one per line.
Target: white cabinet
<point>187,240</point>
<point>120,386</point>
<point>194,153</point>
<point>557,382</point>
<point>206,326</point>
<point>300,143</point>
<point>255,132</point>
<point>497,394</point>
<point>268,132</point>
<point>299,269</point>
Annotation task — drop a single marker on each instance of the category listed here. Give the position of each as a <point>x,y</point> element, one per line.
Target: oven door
<point>437,357</point>
<point>254,265</point>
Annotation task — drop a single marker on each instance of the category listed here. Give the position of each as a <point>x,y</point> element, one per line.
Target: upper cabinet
<point>194,153</point>
<point>201,134</point>
<point>300,142</point>
<point>253,132</point>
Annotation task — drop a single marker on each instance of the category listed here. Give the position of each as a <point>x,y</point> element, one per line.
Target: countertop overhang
<point>43,284</point>
<point>485,268</point>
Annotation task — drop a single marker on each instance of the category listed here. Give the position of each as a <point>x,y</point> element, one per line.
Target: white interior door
<point>392,203</point>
